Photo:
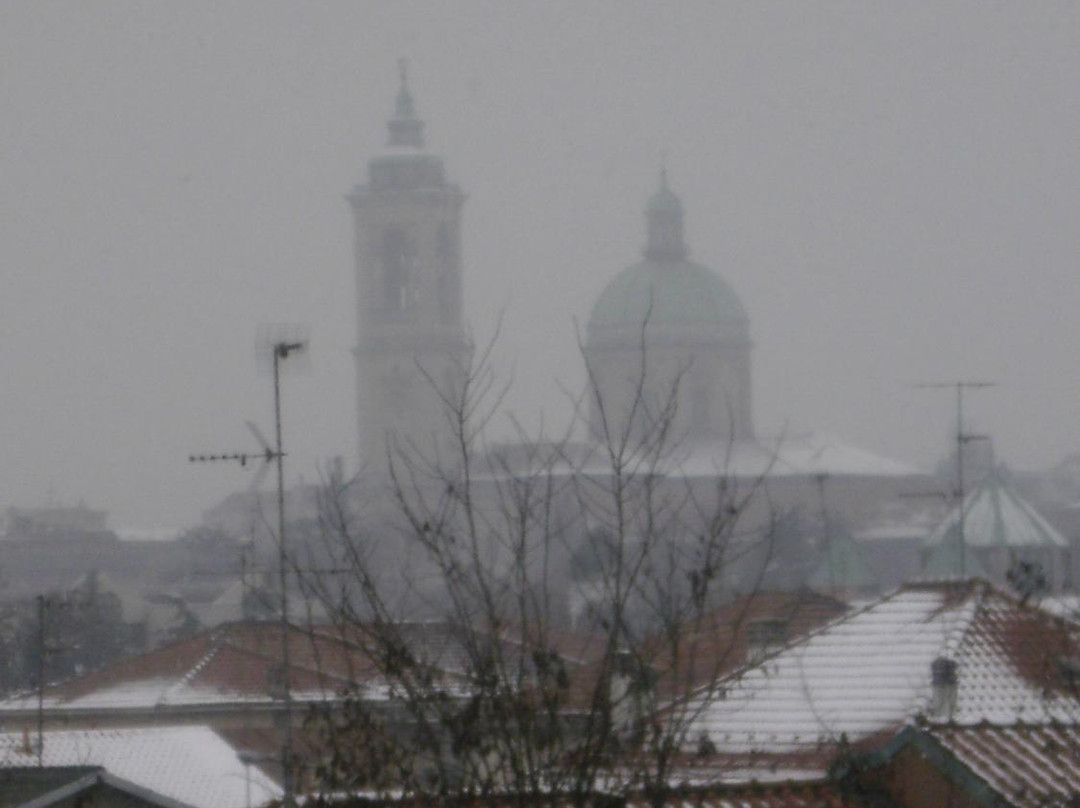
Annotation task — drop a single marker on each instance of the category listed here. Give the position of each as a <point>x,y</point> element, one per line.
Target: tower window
<point>398,258</point>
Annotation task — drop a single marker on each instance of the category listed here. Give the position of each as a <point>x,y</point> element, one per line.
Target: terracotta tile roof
<point>241,663</point>
<point>1021,765</point>
<point>720,642</point>
<point>575,647</point>
<point>1030,766</point>
<point>237,662</point>
<point>870,672</point>
<point>1017,664</point>
<point>726,639</point>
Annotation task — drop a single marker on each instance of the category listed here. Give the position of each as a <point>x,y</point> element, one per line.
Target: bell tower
<point>412,351</point>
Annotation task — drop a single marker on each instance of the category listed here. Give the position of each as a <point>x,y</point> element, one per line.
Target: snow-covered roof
<point>870,671</point>
<point>810,455</point>
<point>746,788</point>
<point>1065,605</point>
<point>818,453</point>
<point>911,526</point>
<point>239,665</point>
<point>191,764</point>
<point>236,664</point>
<point>996,516</point>
<point>892,532</point>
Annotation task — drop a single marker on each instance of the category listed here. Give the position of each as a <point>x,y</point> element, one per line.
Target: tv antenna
<point>276,344</point>
<point>962,439</point>
<point>266,454</point>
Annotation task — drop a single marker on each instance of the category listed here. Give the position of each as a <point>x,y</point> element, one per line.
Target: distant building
<point>160,588</point>
<point>56,521</point>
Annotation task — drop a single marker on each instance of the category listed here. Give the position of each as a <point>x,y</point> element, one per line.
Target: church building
<point>667,355</point>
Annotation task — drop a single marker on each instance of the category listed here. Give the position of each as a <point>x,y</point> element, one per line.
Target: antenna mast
<point>280,351</point>
<point>826,533</point>
<point>962,438</point>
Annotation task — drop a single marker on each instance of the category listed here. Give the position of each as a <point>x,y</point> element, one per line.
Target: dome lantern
<point>664,224</point>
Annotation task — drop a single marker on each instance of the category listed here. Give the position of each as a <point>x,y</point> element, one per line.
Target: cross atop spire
<point>405,128</point>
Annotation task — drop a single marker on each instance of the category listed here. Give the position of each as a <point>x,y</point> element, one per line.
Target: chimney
<point>943,682</point>
<point>632,686</point>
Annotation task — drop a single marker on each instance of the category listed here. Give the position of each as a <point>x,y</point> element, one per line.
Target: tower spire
<point>405,128</point>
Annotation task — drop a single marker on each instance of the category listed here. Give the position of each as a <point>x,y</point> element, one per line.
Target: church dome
<point>666,288</point>
<point>667,293</point>
<point>696,331</point>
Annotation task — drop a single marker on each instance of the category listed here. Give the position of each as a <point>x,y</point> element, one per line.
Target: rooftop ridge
<point>57,692</point>
<point>1017,724</point>
<point>997,590</point>
<point>310,633</point>
<point>955,636</point>
<point>969,610</point>
<point>216,640</point>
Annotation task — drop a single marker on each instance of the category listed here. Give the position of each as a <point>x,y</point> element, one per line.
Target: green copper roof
<point>667,292</point>
<point>844,566</point>
<point>949,560</point>
<point>995,515</point>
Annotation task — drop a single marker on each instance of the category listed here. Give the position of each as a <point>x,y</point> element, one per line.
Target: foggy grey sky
<point>892,189</point>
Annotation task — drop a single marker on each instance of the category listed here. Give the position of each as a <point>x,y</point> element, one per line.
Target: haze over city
<point>892,189</point>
